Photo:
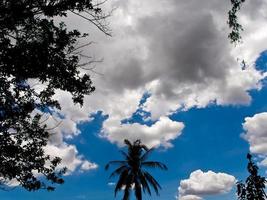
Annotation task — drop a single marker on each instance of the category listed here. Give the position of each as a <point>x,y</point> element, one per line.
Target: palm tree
<point>132,171</point>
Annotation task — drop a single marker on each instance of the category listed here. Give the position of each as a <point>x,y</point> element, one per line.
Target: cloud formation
<point>70,158</point>
<point>200,184</point>
<point>63,128</point>
<point>255,128</point>
<point>158,134</point>
<point>183,59</point>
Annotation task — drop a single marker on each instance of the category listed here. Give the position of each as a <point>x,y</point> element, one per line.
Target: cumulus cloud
<point>255,128</point>
<point>62,127</point>
<point>183,59</point>
<point>158,134</point>
<point>256,132</point>
<point>86,165</point>
<point>200,184</point>
<point>70,158</point>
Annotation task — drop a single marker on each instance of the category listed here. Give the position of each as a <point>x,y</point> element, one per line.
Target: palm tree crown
<point>132,171</point>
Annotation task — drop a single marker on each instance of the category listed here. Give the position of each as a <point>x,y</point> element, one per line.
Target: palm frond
<point>144,147</point>
<point>126,193</point>
<point>152,182</point>
<point>115,162</point>
<point>144,184</point>
<point>118,171</point>
<point>128,186</point>
<point>122,181</point>
<point>154,164</point>
<point>125,155</point>
<point>128,143</point>
<point>146,154</point>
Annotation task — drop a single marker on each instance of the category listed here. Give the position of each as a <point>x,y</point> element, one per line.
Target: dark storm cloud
<point>189,51</point>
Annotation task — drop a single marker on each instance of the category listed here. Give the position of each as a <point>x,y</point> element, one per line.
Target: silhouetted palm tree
<point>132,171</point>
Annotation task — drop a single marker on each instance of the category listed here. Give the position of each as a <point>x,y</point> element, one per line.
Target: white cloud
<point>86,165</point>
<point>200,184</point>
<point>182,58</point>
<point>70,158</point>
<point>256,133</point>
<point>255,128</point>
<point>160,133</point>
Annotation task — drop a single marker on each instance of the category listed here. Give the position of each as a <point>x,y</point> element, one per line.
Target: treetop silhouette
<point>254,187</point>
<point>35,47</point>
<point>132,171</point>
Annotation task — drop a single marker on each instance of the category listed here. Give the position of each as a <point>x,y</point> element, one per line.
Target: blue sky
<point>171,78</point>
<point>210,141</point>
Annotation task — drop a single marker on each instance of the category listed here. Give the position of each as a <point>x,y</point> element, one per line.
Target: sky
<point>170,77</point>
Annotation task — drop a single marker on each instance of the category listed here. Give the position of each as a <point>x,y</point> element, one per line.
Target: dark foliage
<point>233,23</point>
<point>33,46</point>
<point>253,188</point>
<point>133,173</point>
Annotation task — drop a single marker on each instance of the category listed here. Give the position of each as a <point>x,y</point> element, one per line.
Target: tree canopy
<point>254,187</point>
<point>236,27</point>
<point>35,47</point>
